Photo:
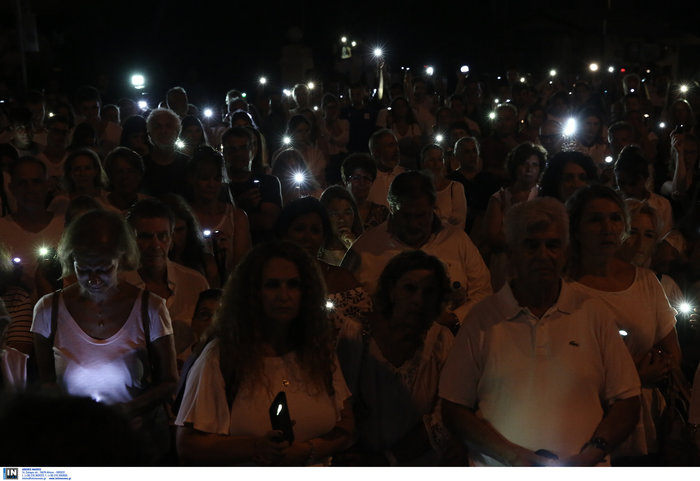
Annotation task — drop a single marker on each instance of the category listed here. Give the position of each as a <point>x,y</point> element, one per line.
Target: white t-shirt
<point>205,407</point>
<point>113,370</point>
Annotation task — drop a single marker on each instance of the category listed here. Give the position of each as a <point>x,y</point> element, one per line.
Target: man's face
<point>154,238</point>
<point>386,152</point>
<point>550,137</point>
<point>29,185</point>
<point>57,136</point>
<point>90,109</point>
<point>412,221</point>
<point>238,154</point>
<point>621,139</point>
<point>163,131</point>
<point>540,255</point>
<point>505,122</point>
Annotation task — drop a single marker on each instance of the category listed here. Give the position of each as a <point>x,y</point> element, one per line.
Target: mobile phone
<point>279,417</point>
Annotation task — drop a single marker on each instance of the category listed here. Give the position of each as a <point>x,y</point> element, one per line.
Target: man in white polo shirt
<point>539,375</point>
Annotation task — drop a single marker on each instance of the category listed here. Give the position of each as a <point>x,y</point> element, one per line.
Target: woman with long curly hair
<point>270,335</point>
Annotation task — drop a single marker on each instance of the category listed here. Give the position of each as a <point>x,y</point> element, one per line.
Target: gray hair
<point>534,216</point>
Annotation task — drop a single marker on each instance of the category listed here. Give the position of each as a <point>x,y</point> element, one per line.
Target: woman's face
<point>639,245</point>
<point>124,177</point>
<point>192,135</point>
<point>433,161</point>
<point>591,128</point>
<point>415,296</point>
<point>307,231</point>
<point>601,228</point>
<point>302,133</point>
<point>529,171</point>
<point>359,184</point>
<point>83,173</point>
<point>280,292</point>
<point>342,217</point>
<point>573,177</point>
<point>206,184</point>
<point>96,274</point>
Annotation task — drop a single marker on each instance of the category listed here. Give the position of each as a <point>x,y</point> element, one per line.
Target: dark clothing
<point>159,180</point>
<point>363,123</point>
<point>270,192</point>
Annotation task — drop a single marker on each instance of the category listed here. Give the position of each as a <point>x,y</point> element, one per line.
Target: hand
<point>296,454</point>
<point>525,457</point>
<point>269,449</point>
<point>653,368</point>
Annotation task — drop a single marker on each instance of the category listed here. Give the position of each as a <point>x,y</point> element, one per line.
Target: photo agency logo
<point>10,473</point>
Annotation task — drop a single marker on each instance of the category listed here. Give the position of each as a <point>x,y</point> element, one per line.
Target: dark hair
<point>133,158</point>
<point>189,121</point>
<point>133,125</point>
<point>150,209</point>
<point>237,131</point>
<point>80,133</point>
<point>95,229</point>
<point>552,176</point>
<point>358,161</point>
<point>410,185</point>
<point>424,151</point>
<point>239,328</point>
<point>193,253</point>
<point>297,208</point>
<point>86,93</point>
<point>520,154</point>
<point>410,118</point>
<point>401,264</point>
<point>26,159</point>
<point>631,161</point>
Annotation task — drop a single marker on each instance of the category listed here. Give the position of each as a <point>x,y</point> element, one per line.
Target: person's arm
<point>199,448</point>
<point>339,438</point>
<point>164,369</point>
<point>619,421</point>
<point>478,280</point>
<point>480,435</point>
<point>241,236</point>
<point>679,185</point>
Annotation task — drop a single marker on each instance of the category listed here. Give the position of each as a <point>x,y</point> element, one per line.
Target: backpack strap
<point>54,314</point>
<point>145,318</point>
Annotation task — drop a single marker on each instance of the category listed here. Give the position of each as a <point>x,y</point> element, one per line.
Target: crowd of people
<point>503,274</point>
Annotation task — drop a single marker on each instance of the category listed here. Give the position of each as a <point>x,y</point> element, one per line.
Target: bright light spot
<point>378,52</point>
<point>551,83</point>
<point>286,140</point>
<point>648,70</point>
<point>244,95</point>
<point>662,125</point>
<point>646,116</point>
<point>96,397</point>
<point>492,115</point>
<point>685,308</point>
<point>611,69</point>
<point>51,114</point>
<point>623,333</point>
<point>315,108</point>
<point>439,138</point>
<point>279,409</point>
<point>608,159</point>
<point>138,81</point>
<point>311,85</point>
<point>262,80</point>
<point>287,92</point>
<point>498,78</point>
<point>208,113</point>
<point>496,101</point>
<point>344,39</point>
<point>43,251</point>
<point>632,90</point>
<point>593,67</point>
<point>354,43</point>
<point>570,127</point>
<point>522,80</point>
<point>552,73</point>
<point>143,105</point>
<point>464,68</point>
<point>299,178</point>
<point>684,88</point>
<point>179,144</point>
<point>16,260</point>
<point>206,232</point>
<point>429,70</point>
<point>330,305</point>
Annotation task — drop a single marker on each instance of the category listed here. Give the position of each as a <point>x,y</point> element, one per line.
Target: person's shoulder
<point>190,276</point>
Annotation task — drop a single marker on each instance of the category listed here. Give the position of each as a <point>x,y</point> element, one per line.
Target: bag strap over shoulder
<point>55,297</point>
<point>145,318</point>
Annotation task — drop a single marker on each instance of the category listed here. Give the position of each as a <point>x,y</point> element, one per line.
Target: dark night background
<point>209,47</point>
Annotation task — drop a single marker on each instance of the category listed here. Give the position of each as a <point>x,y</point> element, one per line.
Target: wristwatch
<point>598,442</point>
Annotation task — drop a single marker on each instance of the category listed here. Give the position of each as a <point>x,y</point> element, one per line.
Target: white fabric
<point>13,369</point>
<point>396,399</point>
<point>539,382</point>
<point>451,205</point>
<point>372,251</point>
<point>380,186</point>
<point>25,244</point>
<point>644,312</point>
<point>185,284</point>
<point>205,407</point>
<point>113,370</point>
